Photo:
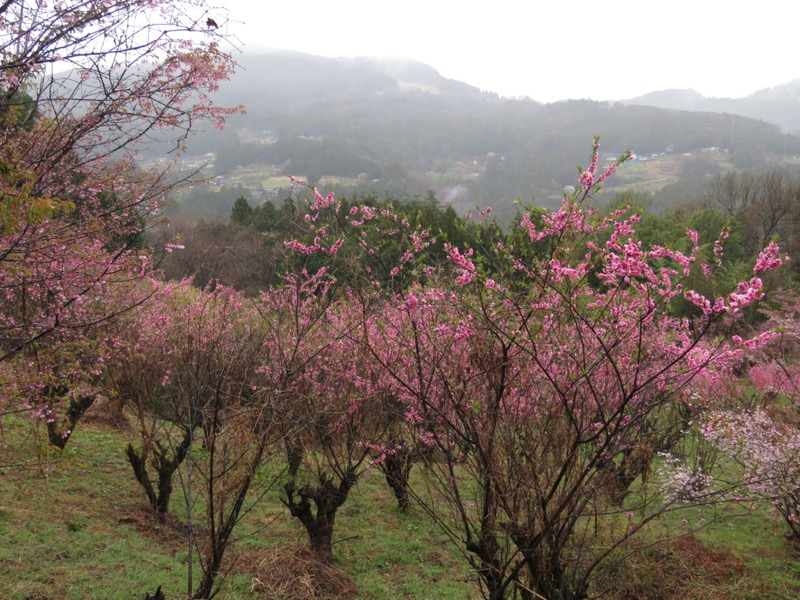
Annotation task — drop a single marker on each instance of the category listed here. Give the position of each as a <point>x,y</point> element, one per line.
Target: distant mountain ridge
<point>397,126</point>
<point>287,78</point>
<point>779,104</point>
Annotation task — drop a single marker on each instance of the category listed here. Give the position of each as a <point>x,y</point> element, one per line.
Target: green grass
<point>80,529</point>
<point>760,542</point>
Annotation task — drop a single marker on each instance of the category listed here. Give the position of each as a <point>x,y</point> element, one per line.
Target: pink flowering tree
<point>74,203</point>
<point>539,377</point>
<point>57,379</point>
<point>185,364</point>
<point>769,452</point>
<point>322,396</point>
<point>177,359</point>
<point>373,252</point>
<point>545,387</point>
<point>145,351</point>
<point>92,77</point>
<point>369,247</point>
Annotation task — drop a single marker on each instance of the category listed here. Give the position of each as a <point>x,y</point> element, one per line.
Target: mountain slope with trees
<point>779,104</point>
<point>397,126</point>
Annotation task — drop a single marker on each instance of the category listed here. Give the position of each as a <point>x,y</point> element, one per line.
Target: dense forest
<point>585,387</point>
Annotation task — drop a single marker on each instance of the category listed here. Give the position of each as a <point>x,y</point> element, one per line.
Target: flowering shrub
<point>769,452</point>
<point>185,363</point>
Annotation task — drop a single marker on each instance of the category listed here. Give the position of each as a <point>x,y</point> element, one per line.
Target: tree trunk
<point>488,566</point>
<point>327,498</point>
<point>165,466</point>
<point>396,467</point>
<point>59,432</point>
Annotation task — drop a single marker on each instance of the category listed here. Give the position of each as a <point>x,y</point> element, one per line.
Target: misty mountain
<point>377,125</point>
<point>779,105</point>
<point>288,80</point>
<point>284,79</point>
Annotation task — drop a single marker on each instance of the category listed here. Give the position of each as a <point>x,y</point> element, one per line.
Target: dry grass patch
<point>684,569</point>
<point>293,572</point>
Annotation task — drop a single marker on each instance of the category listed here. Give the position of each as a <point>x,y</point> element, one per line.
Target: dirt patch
<point>295,573</point>
<point>716,566</point>
<point>167,529</point>
<point>684,569</point>
<point>107,413</point>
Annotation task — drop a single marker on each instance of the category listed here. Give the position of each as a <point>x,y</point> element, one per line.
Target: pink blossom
<point>411,301</point>
<point>768,259</point>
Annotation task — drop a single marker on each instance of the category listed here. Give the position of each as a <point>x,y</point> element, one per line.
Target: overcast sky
<point>557,50</point>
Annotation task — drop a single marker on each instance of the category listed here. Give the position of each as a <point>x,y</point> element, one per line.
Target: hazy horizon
<point>557,52</point>
<point>259,51</point>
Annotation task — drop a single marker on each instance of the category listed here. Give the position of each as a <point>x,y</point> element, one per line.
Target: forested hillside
<point>779,105</point>
<point>363,125</point>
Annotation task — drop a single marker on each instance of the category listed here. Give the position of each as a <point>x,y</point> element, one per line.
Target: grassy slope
<point>81,532</point>
<point>79,529</point>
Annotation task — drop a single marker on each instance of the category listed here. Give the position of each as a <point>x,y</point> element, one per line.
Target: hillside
<point>779,105</point>
<point>396,126</point>
<point>102,542</point>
